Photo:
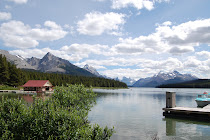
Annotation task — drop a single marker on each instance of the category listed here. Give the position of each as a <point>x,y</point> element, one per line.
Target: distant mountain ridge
<point>129,81</point>
<point>164,78</point>
<point>49,63</point>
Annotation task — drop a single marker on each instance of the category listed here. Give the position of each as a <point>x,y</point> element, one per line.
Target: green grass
<point>5,87</point>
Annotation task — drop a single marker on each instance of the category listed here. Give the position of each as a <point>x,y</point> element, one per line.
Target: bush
<point>64,116</point>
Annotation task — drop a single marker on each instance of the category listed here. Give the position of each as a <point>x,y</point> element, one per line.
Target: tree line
<point>13,76</point>
<point>199,83</point>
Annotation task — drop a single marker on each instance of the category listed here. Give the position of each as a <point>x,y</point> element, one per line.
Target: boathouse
<point>38,86</point>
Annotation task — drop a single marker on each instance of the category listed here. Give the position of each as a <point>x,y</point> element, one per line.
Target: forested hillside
<point>200,83</point>
<point>12,76</point>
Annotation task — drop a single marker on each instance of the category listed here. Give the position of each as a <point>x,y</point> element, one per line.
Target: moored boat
<point>203,99</point>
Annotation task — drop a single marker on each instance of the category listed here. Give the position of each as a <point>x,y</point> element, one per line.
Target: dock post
<point>170,99</point>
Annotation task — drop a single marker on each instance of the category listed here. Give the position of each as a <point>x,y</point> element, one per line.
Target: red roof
<point>35,83</point>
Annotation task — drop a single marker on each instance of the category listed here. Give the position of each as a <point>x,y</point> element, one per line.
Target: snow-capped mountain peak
<point>91,70</point>
<point>164,78</point>
<point>20,57</point>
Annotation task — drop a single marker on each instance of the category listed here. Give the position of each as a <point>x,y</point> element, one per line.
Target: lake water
<point>136,114</point>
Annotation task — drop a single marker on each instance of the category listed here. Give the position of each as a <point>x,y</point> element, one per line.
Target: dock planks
<point>187,112</point>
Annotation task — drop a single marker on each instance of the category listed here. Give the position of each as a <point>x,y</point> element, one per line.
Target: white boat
<point>203,99</point>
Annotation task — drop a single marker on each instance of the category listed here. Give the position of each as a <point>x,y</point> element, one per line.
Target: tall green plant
<point>64,116</point>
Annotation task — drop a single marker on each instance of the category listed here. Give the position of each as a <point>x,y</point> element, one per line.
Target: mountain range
<point>164,78</point>
<point>53,64</point>
<point>49,63</point>
<point>129,81</point>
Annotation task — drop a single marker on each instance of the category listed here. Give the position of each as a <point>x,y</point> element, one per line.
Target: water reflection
<point>26,97</point>
<point>187,129</point>
<point>137,114</point>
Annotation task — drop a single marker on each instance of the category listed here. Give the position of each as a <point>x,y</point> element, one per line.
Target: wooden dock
<point>9,91</point>
<point>24,92</point>
<point>185,112</point>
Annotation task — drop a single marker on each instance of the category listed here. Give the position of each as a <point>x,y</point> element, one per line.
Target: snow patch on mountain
<point>91,70</point>
<point>164,78</point>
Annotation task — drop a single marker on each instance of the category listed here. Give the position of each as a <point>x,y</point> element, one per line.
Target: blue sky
<point>132,38</point>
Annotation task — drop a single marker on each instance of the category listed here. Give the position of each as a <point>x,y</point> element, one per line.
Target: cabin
<point>38,86</point>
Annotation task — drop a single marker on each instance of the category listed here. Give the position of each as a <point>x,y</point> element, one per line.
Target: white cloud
<point>79,51</point>
<point>96,23</point>
<point>204,54</point>
<point>52,25</point>
<point>143,67</point>
<point>5,16</point>
<point>17,34</point>
<point>140,45</point>
<point>167,38</point>
<point>74,52</point>
<point>138,4</point>
<point>169,64</point>
<point>127,72</point>
<point>113,61</point>
<point>181,49</point>
<point>200,68</point>
<point>192,62</point>
<point>19,1</point>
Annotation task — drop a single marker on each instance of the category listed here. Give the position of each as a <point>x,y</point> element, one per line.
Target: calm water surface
<point>136,114</point>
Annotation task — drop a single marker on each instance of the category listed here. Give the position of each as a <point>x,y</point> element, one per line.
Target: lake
<point>136,114</point>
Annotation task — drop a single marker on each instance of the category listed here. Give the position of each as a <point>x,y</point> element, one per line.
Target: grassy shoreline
<point>109,88</point>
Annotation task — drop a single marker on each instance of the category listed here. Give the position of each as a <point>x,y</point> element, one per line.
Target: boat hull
<point>202,103</point>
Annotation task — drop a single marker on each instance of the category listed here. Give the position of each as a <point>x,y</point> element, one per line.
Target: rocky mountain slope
<point>49,63</point>
<point>17,60</point>
<point>164,78</point>
<point>92,70</point>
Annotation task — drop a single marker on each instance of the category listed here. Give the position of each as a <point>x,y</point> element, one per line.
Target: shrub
<point>64,116</point>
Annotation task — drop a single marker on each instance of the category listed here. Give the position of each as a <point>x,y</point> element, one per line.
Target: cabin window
<point>199,96</point>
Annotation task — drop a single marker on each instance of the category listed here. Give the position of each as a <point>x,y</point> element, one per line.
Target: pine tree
<point>4,70</point>
<point>15,76</point>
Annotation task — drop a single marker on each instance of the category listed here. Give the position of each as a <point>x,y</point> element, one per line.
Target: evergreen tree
<point>4,71</point>
<point>15,76</point>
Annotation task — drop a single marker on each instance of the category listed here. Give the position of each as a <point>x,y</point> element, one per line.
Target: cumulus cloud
<point>192,62</point>
<point>177,39</point>
<point>79,51</point>
<point>200,68</point>
<point>138,4</point>
<point>141,44</point>
<point>181,49</point>
<point>204,54</point>
<point>17,34</point>
<point>19,1</point>
<point>169,64</point>
<point>5,16</point>
<point>96,23</point>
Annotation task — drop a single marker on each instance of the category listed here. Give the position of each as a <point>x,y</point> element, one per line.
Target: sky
<point>131,38</point>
